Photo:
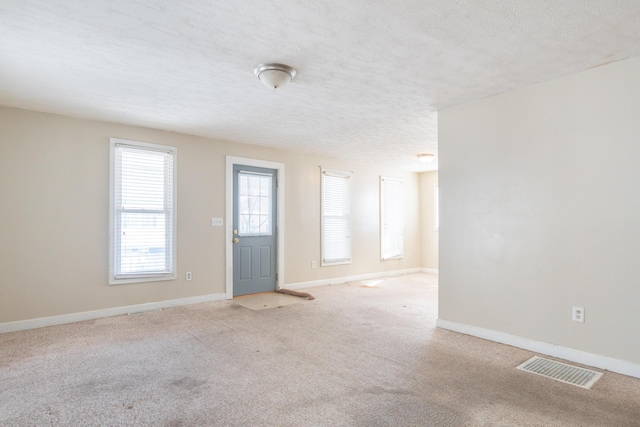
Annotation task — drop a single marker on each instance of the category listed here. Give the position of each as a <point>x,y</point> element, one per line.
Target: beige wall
<point>540,211</point>
<point>54,181</point>
<point>428,235</point>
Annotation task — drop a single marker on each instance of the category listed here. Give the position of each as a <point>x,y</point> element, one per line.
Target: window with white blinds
<point>336,217</point>
<point>391,218</point>
<point>143,212</point>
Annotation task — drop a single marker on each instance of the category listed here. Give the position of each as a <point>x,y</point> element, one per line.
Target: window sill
<point>329,263</point>
<point>142,279</point>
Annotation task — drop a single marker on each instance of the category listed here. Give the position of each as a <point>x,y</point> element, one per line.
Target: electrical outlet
<point>578,314</point>
<point>313,264</point>
<point>189,275</point>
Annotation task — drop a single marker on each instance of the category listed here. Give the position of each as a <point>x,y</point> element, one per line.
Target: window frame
<point>114,214</point>
<point>336,261</point>
<point>384,256</point>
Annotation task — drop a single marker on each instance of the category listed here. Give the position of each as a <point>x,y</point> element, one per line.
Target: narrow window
<point>143,212</point>
<point>391,218</point>
<point>336,217</point>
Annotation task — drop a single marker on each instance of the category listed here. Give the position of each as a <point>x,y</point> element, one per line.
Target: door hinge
<point>276,277</point>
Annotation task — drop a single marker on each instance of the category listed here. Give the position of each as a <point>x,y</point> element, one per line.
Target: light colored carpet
<point>266,300</point>
<point>355,356</point>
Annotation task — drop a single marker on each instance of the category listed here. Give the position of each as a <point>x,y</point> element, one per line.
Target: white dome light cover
<point>426,157</point>
<point>275,75</point>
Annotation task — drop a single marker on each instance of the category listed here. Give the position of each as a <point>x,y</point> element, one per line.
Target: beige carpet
<point>355,356</point>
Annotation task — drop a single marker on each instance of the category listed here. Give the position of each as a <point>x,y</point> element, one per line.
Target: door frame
<point>279,167</point>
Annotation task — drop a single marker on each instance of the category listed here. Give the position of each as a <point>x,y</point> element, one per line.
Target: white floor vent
<point>569,374</point>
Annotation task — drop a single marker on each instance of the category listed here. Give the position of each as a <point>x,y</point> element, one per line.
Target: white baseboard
<point>429,270</point>
<point>42,322</point>
<point>341,280</point>
<point>578,356</point>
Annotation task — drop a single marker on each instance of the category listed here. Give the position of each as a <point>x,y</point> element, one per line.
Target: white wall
<point>540,211</point>
<point>54,183</point>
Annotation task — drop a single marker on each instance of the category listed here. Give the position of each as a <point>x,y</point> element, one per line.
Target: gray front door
<point>254,230</point>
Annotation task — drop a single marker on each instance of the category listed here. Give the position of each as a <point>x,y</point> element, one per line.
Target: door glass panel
<point>254,204</point>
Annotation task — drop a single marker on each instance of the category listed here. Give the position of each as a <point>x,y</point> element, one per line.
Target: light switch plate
<point>216,222</point>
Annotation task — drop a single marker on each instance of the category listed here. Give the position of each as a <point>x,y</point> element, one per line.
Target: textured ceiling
<point>371,74</point>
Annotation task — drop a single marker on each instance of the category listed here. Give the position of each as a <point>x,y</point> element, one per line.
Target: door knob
<point>236,240</point>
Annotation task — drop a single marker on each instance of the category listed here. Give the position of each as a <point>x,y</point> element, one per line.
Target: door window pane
<point>254,204</point>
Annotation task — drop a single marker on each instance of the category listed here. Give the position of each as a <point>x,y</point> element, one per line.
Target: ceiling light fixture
<point>426,157</point>
<point>275,75</point>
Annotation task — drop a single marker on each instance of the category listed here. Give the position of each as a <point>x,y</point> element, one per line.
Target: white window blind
<point>336,217</point>
<point>143,217</point>
<point>391,218</point>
